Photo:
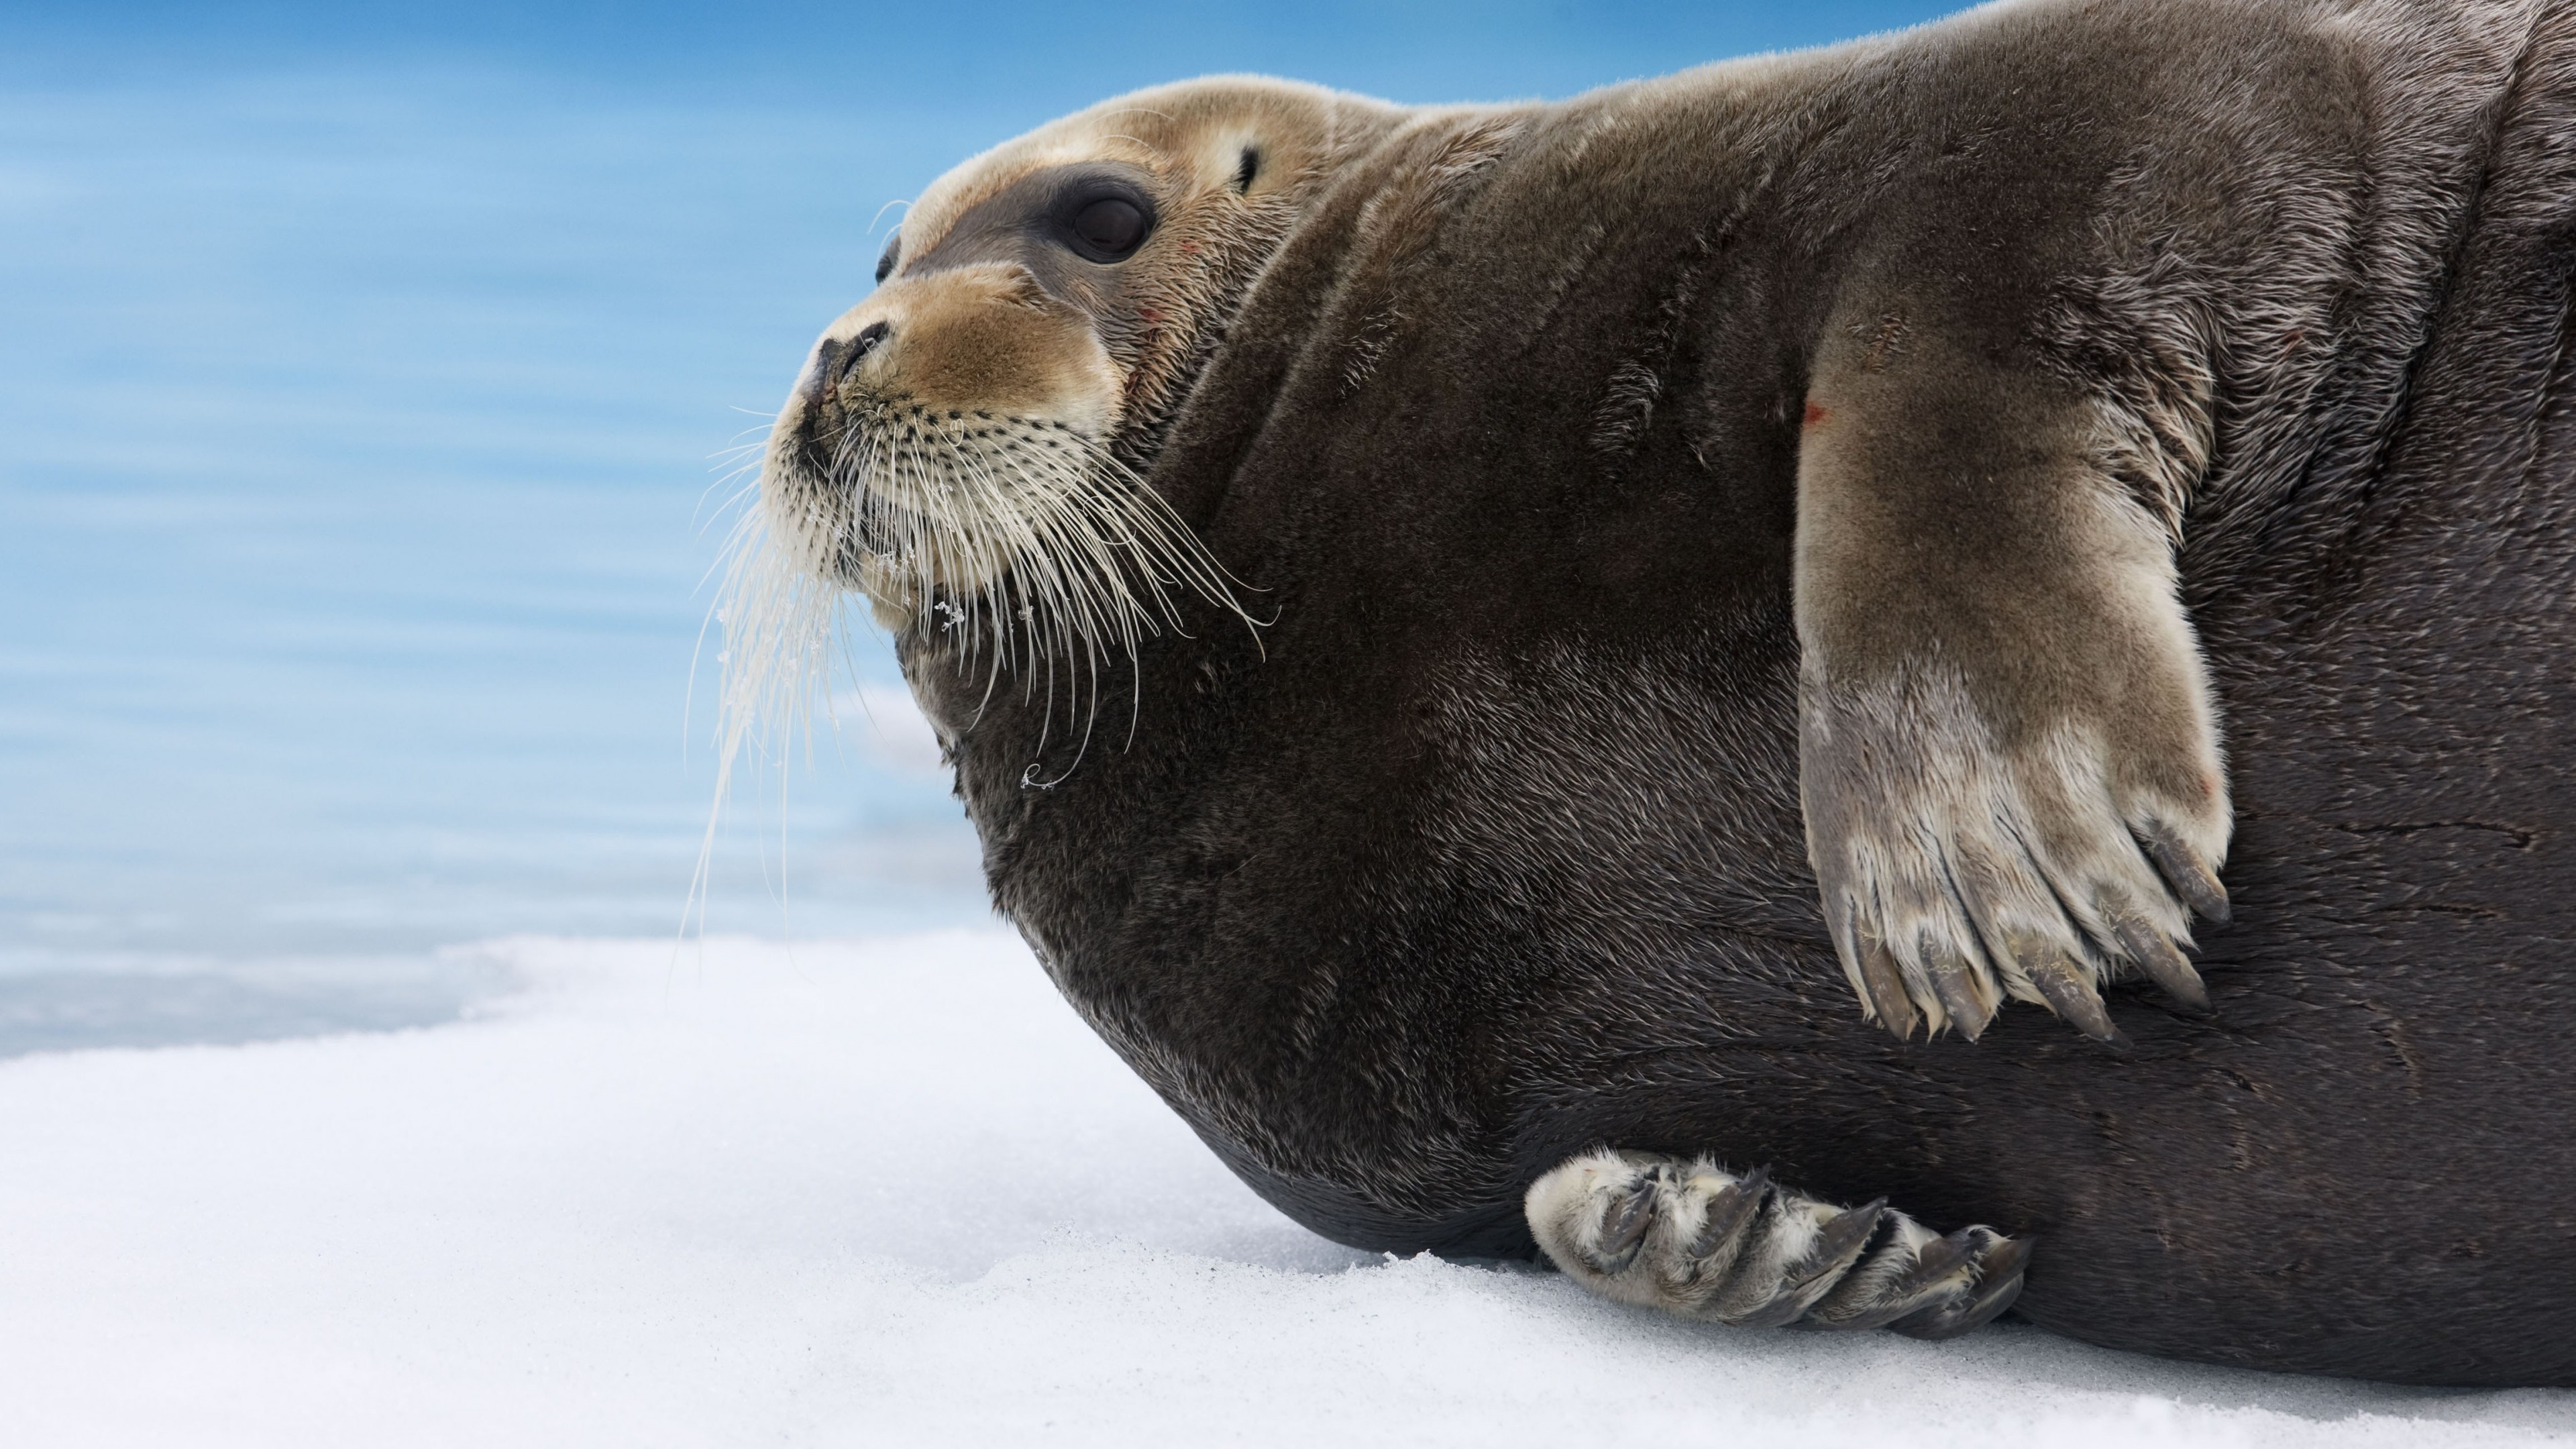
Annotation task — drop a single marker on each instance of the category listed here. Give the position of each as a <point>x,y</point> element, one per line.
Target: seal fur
<point>1501,845</point>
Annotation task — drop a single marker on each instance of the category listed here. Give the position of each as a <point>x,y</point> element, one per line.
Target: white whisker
<point>1025,545</point>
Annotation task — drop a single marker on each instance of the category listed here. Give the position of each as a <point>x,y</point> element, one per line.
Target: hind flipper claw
<point>1688,1237</point>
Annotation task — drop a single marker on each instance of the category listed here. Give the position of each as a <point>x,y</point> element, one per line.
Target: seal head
<point>964,447</point>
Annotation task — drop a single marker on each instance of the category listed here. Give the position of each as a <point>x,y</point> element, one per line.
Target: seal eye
<point>885,263</point>
<point>1109,229</point>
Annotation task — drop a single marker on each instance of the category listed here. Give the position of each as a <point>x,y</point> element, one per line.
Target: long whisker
<point>1026,545</point>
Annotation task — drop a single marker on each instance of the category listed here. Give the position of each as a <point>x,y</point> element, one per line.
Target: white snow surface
<point>875,1192</point>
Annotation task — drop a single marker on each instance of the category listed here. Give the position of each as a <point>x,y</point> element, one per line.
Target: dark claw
<point>1886,987</point>
<point>2189,878</point>
<point>2073,996</point>
<point>2000,1286</point>
<point>1730,1210</point>
<point>2006,1259</point>
<point>1623,1231</point>
<point>1835,1249</point>
<point>1939,1259</point>
<point>2163,961</point>
<point>1996,1290</point>
<point>1840,1243</point>
<point>1952,982</point>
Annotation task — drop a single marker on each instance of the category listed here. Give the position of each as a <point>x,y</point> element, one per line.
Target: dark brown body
<point>1490,851</point>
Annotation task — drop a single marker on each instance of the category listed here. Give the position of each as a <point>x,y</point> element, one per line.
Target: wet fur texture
<point>1491,851</point>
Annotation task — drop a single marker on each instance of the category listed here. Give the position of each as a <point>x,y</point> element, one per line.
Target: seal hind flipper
<point>1690,1238</point>
<point>1999,1283</point>
<point>2008,750</point>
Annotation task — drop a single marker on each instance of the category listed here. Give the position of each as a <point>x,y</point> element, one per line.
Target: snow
<point>872,1192</point>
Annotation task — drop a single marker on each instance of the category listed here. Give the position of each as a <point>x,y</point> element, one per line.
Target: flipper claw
<point>2071,995</point>
<point>1691,1238</point>
<point>2163,962</point>
<point>1997,1287</point>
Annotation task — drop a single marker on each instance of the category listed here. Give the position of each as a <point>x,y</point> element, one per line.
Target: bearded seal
<point>1471,634</point>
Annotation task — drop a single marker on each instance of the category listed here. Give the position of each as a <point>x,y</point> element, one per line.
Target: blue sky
<point>952,58</point>
<point>363,376</point>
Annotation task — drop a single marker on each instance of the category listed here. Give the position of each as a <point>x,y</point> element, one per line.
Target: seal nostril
<point>835,360</point>
<point>866,342</point>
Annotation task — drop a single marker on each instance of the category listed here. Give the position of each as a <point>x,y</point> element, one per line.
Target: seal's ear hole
<point>885,263</point>
<point>1248,168</point>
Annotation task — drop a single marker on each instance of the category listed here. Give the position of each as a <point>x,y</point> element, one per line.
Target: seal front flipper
<point>1688,1237</point>
<point>2008,755</point>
